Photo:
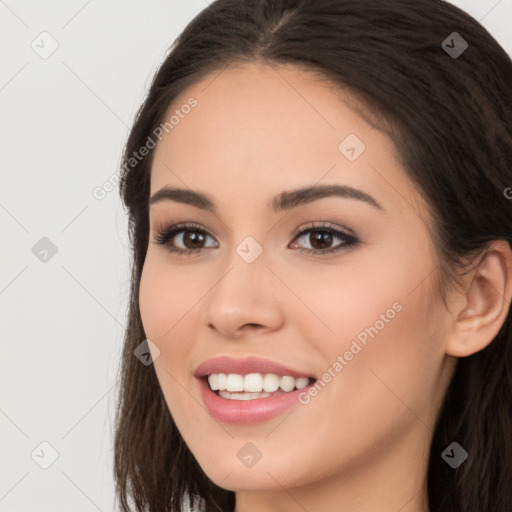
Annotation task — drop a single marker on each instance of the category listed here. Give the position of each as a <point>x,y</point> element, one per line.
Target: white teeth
<point>301,382</point>
<point>221,380</point>
<point>254,383</point>
<point>287,383</point>
<point>271,382</point>
<point>213,380</point>
<point>235,382</point>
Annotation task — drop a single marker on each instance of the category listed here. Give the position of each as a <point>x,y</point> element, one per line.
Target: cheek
<point>166,301</point>
<point>387,289</point>
<point>396,356</point>
<point>376,312</point>
<point>167,295</point>
<point>384,384</point>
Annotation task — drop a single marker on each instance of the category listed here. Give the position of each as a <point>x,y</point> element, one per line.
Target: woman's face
<point>363,320</point>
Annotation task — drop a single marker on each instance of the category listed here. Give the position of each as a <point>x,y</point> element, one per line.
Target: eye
<point>321,237</point>
<point>183,239</point>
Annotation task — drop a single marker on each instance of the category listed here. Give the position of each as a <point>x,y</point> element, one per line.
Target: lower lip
<point>247,411</point>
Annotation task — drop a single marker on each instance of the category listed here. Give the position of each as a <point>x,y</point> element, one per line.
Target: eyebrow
<point>284,201</point>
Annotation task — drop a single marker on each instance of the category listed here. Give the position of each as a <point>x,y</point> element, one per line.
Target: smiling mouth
<point>251,386</point>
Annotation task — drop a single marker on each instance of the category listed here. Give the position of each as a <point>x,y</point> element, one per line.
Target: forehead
<point>256,130</point>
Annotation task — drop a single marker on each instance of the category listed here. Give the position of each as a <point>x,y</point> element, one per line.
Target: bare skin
<point>362,443</point>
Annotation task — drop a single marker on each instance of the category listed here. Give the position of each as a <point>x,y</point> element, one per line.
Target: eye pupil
<point>194,237</point>
<point>323,237</point>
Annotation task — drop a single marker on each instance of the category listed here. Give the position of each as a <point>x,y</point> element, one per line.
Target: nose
<point>243,300</point>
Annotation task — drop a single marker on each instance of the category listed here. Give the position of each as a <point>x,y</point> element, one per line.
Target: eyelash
<point>165,235</point>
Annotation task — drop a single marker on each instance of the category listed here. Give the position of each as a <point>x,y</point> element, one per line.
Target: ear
<point>484,304</point>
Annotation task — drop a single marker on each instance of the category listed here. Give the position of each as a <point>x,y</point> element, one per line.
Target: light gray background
<point>63,125</point>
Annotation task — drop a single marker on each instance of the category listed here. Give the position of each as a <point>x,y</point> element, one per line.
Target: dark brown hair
<point>450,118</point>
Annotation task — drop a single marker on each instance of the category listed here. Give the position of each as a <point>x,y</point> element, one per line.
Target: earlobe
<point>486,303</point>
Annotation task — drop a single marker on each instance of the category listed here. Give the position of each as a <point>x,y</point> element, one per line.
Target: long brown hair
<point>450,118</point>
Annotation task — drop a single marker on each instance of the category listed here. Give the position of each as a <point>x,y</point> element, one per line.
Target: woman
<point>322,269</point>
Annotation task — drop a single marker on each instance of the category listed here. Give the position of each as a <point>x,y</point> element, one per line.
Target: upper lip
<point>251,364</point>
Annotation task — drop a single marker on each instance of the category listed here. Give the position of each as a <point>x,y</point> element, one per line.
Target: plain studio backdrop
<point>73,74</point>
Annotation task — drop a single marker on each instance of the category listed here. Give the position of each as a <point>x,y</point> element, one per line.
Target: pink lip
<point>247,411</point>
<point>252,364</point>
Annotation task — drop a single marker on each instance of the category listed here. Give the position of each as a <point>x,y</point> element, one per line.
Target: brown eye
<point>184,239</point>
<point>192,239</point>
<point>321,238</point>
